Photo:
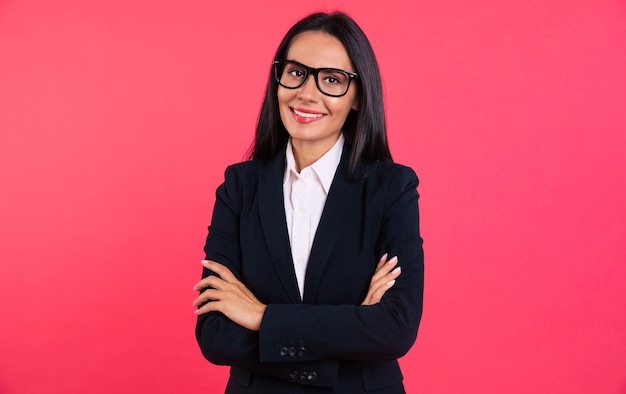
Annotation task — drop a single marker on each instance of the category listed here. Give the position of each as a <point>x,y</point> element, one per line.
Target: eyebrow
<point>320,68</point>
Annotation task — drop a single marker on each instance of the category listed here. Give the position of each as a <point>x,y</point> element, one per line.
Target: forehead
<point>318,49</point>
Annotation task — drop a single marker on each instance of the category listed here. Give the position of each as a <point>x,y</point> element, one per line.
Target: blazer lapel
<point>337,212</point>
<point>274,224</point>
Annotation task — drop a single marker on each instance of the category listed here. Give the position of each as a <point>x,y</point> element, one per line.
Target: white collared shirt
<point>304,196</point>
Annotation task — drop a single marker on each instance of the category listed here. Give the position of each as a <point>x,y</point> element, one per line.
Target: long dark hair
<point>364,130</point>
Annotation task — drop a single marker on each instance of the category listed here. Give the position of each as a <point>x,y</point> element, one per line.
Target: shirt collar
<point>325,167</point>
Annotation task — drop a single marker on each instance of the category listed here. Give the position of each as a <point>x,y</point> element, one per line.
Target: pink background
<point>118,118</point>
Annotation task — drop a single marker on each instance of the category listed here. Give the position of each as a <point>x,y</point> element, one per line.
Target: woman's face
<point>313,119</point>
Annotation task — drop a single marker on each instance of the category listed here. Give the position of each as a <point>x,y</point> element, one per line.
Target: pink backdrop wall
<point>118,118</point>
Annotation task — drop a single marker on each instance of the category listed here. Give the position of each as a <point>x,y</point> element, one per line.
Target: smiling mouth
<point>307,114</point>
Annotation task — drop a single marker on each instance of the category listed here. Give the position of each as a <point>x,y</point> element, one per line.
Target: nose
<point>308,91</point>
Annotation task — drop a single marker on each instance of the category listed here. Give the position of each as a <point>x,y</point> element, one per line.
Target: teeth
<point>307,115</point>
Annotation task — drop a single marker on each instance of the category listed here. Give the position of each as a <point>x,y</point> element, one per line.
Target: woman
<point>301,290</point>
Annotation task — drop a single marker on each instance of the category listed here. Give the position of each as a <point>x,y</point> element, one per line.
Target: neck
<point>306,153</point>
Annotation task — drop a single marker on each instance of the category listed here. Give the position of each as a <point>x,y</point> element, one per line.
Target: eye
<point>331,77</point>
<point>295,72</point>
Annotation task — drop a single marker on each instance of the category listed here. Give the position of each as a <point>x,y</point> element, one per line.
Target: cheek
<point>283,100</point>
<point>284,96</point>
<point>340,106</point>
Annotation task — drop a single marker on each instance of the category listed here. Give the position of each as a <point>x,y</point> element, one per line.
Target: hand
<point>382,280</point>
<point>229,296</point>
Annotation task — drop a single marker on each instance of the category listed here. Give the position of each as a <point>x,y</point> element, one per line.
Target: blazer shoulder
<point>245,167</point>
<point>244,171</point>
<point>390,172</point>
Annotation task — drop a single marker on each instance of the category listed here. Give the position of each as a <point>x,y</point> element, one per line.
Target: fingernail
<point>396,270</point>
<point>393,260</point>
<point>204,262</point>
<point>383,257</point>
<point>391,282</point>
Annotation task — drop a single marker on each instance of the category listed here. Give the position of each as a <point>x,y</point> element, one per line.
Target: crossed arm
<point>226,294</point>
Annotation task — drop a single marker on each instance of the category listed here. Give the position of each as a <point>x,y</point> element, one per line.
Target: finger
<point>387,277</point>
<point>379,291</point>
<point>381,277</point>
<point>387,283</point>
<point>220,270</point>
<point>210,281</point>
<point>209,295</point>
<point>381,262</point>
<point>389,264</point>
<point>383,280</point>
<point>385,268</point>
<point>213,306</point>
<point>378,294</point>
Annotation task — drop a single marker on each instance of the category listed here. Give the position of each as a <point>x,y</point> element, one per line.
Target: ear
<point>355,106</point>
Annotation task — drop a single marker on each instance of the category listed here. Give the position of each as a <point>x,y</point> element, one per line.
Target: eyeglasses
<point>330,81</point>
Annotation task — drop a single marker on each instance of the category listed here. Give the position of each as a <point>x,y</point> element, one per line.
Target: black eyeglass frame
<point>315,72</point>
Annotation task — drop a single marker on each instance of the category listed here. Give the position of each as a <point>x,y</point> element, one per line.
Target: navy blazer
<point>327,340</point>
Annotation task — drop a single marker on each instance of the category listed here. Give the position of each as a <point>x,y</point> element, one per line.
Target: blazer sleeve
<point>385,330</point>
<point>222,341</point>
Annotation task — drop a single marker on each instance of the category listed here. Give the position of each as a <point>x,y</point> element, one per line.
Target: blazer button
<point>301,352</point>
<point>293,375</point>
<point>312,376</point>
<point>292,351</point>
<point>283,351</point>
